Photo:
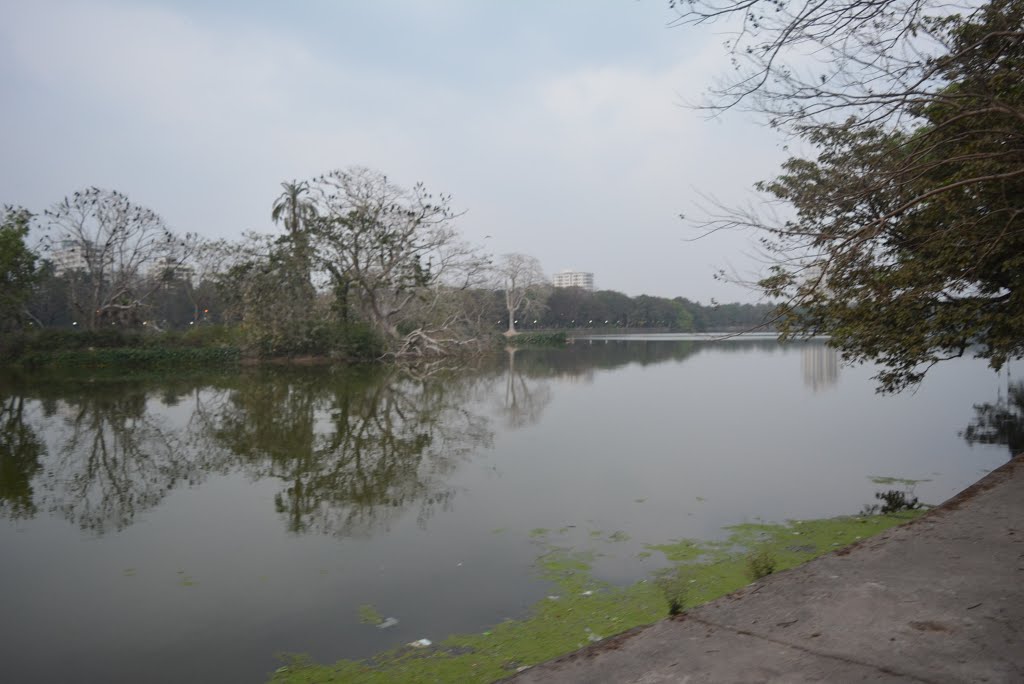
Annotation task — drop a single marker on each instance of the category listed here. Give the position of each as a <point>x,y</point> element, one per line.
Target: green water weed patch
<point>582,609</point>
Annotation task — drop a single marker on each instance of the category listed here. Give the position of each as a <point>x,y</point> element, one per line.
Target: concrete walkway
<point>938,600</point>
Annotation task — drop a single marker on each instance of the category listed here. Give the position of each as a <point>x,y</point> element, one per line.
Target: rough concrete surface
<point>938,600</point>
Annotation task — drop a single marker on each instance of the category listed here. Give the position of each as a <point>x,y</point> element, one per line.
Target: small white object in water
<point>420,643</point>
<point>554,597</point>
<point>387,622</point>
<point>587,593</point>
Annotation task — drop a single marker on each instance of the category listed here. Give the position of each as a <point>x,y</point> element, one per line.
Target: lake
<point>188,527</point>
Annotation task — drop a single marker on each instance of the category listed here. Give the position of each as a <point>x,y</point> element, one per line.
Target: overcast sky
<point>559,127</point>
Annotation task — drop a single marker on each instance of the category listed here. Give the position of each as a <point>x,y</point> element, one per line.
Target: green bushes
<point>198,346</point>
<point>359,343</point>
<point>351,342</point>
<point>539,339</point>
<point>132,357</point>
<point>760,564</point>
<point>131,348</point>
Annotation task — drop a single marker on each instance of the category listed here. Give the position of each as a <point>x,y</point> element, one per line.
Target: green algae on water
<point>369,615</point>
<point>583,609</point>
<point>881,480</point>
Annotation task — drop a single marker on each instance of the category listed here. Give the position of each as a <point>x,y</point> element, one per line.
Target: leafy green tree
<point>270,298</point>
<point>18,273</point>
<point>907,243</point>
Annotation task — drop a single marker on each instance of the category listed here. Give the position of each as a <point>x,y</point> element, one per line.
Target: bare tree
<point>811,61</point>
<point>118,253</point>
<point>522,279</point>
<point>397,253</point>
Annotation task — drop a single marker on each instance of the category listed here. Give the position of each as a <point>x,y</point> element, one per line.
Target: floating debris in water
<point>420,643</point>
<point>387,622</point>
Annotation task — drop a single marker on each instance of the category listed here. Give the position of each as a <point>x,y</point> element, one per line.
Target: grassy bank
<point>118,348</point>
<point>202,346</point>
<point>582,609</point>
<point>132,358</point>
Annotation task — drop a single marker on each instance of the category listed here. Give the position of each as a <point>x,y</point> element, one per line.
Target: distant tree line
<point>361,265</point>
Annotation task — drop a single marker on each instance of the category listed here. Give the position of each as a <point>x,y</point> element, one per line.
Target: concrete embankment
<point>938,600</point>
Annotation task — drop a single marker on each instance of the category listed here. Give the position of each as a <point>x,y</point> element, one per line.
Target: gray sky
<point>557,126</point>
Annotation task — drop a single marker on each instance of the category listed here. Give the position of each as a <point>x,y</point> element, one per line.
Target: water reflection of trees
<point>21,451</point>
<point>1001,421</point>
<point>354,451</point>
<point>582,358</point>
<point>111,457</point>
<point>525,398</point>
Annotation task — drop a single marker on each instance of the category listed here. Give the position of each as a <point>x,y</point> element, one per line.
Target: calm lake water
<point>189,527</point>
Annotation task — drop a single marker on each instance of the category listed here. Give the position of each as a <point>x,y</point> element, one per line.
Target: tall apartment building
<point>573,279</point>
<point>172,269</point>
<point>68,256</point>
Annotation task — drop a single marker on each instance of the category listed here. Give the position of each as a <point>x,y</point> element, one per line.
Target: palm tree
<point>294,208</point>
<point>291,207</point>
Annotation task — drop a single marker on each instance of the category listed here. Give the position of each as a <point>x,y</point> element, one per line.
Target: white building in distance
<point>172,269</point>
<point>67,257</point>
<point>573,279</point>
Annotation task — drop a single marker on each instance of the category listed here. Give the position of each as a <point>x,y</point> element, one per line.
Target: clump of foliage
<point>674,584</point>
<point>760,564</point>
<point>545,339</point>
<point>893,501</point>
<point>114,346</point>
<point>18,272</point>
<point>906,243</point>
<point>144,357</point>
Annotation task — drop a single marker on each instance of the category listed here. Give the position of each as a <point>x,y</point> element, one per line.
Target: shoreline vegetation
<point>582,609</point>
<point>221,346</point>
